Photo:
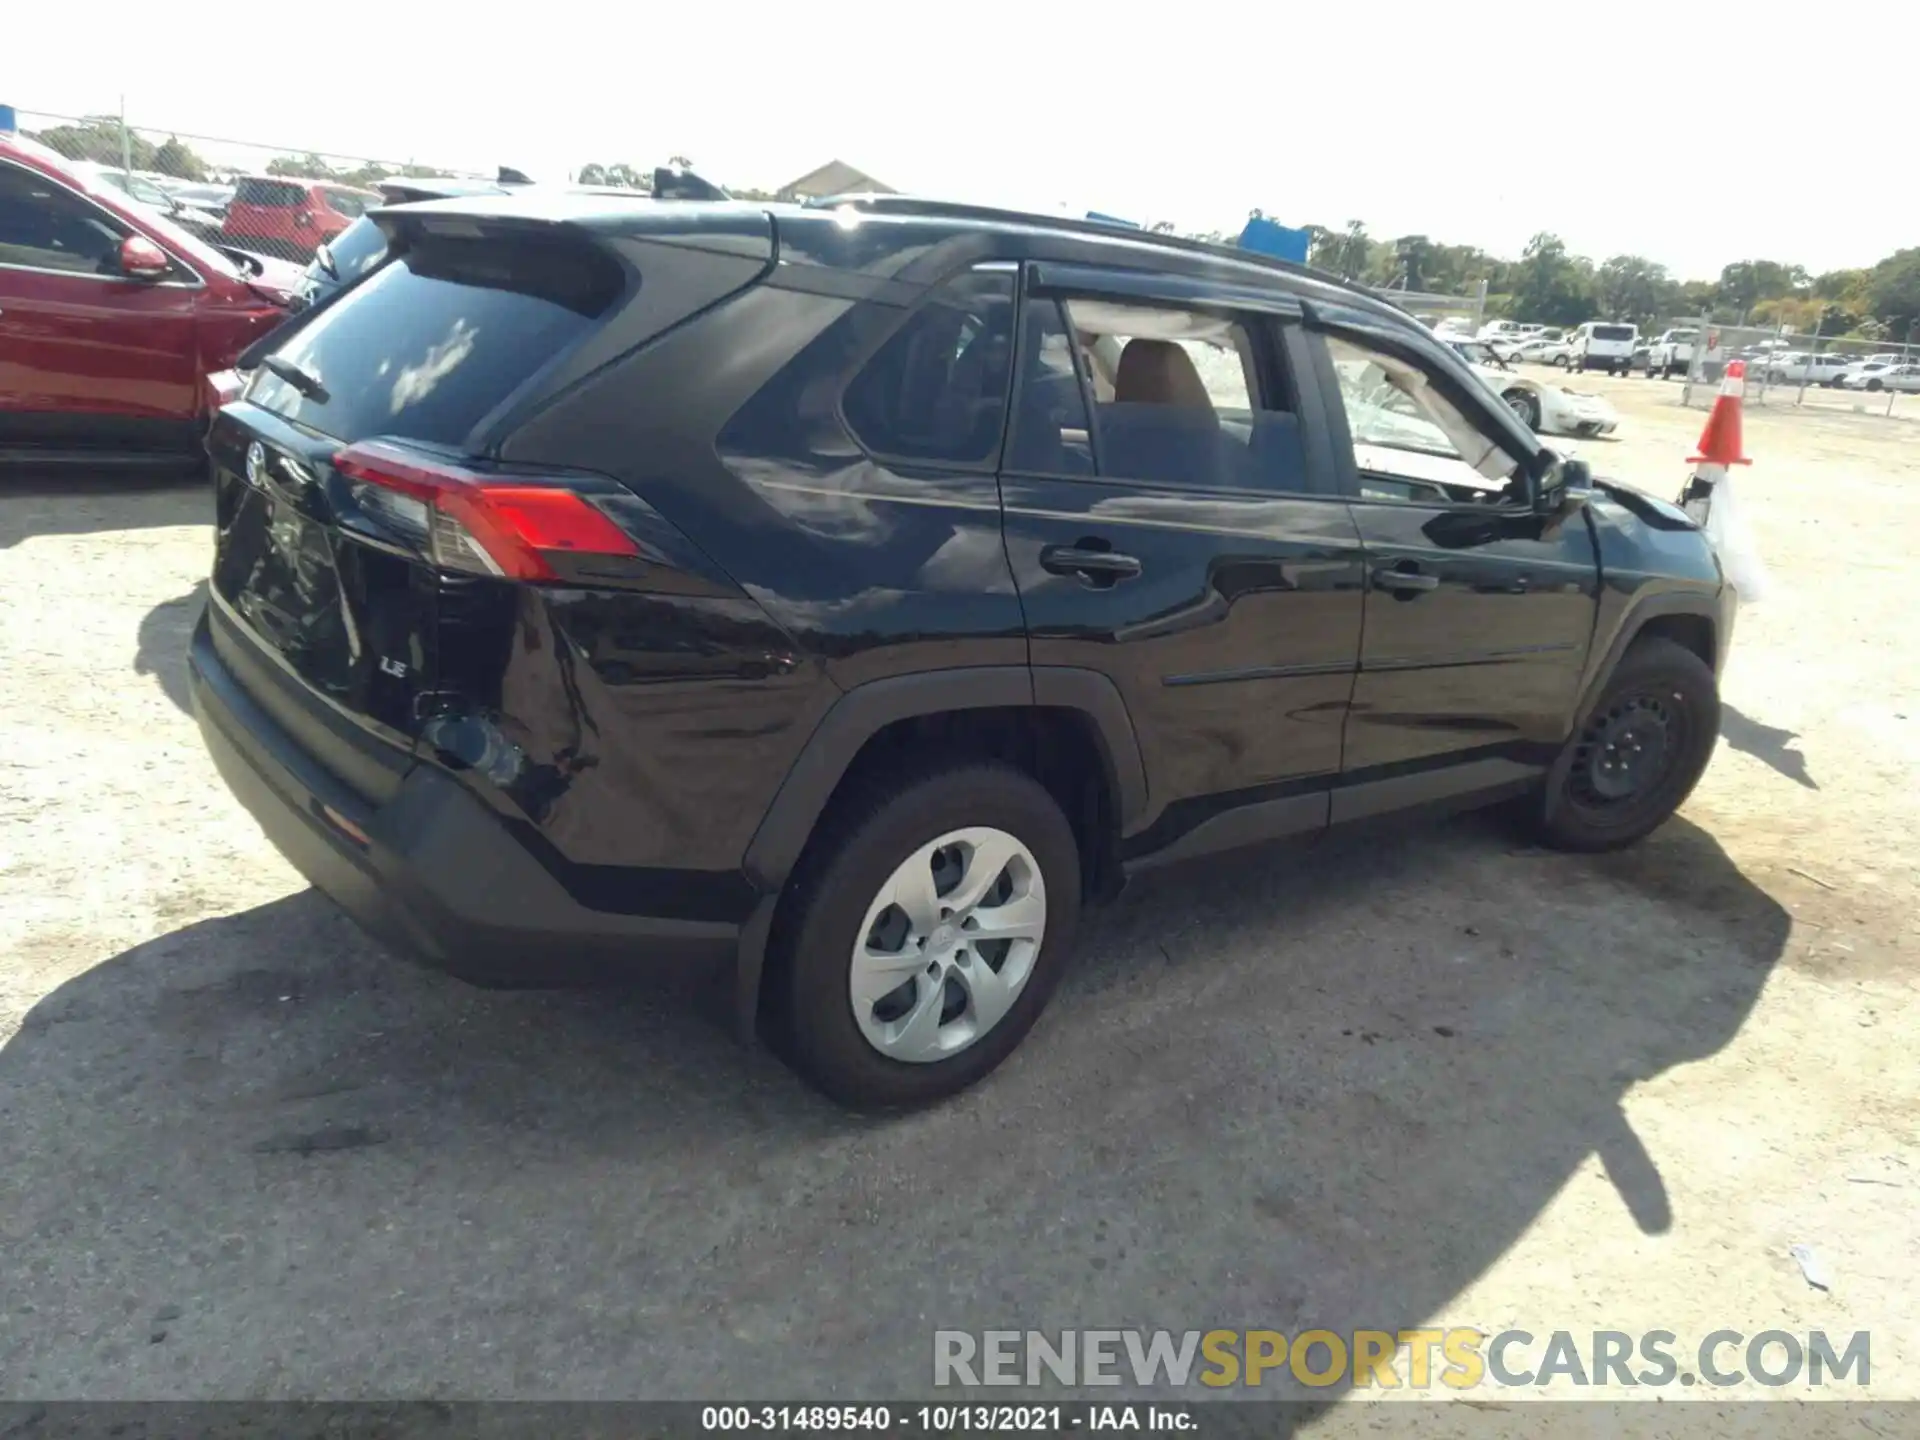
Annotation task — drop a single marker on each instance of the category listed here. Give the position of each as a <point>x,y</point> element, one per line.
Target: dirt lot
<point>1450,1079</point>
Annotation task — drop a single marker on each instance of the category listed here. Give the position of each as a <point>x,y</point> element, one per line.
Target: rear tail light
<point>512,526</point>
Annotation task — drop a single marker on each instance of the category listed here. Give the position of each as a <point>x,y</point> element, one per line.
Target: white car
<point>1506,330</point>
<point>1549,352</point>
<point>1543,408</point>
<point>1883,377</point>
<point>1791,367</point>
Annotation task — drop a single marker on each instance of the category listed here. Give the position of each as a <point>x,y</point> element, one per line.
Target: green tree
<point>301,167</point>
<point>1745,283</point>
<point>178,160</point>
<point>1632,287</point>
<point>1346,253</point>
<point>1413,255</point>
<point>627,177</point>
<point>98,138</point>
<point>1551,287</point>
<point>591,175</point>
<point>1893,293</point>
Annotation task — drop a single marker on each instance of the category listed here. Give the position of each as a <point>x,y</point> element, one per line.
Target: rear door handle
<point>1403,582</point>
<point>1097,567</point>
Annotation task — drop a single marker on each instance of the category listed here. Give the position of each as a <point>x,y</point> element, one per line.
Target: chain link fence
<point>1813,372</point>
<point>1455,314</point>
<point>279,201</point>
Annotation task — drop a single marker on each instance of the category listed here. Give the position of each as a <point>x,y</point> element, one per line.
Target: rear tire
<point>1526,406</point>
<point>1638,754</point>
<point>838,1038</point>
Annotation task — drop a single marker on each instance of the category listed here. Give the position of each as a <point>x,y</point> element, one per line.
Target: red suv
<point>291,218</point>
<point>112,318</point>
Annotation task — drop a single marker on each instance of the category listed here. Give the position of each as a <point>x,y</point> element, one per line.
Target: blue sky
<point>1470,122</point>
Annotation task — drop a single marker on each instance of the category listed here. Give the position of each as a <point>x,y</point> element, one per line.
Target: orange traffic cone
<point>1708,497</point>
<point>1720,441</point>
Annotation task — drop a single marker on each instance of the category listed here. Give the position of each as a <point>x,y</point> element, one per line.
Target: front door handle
<point>1404,582</point>
<point>1096,567</point>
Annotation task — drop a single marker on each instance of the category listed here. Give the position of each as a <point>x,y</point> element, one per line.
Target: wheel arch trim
<point>1694,604</point>
<point>861,713</point>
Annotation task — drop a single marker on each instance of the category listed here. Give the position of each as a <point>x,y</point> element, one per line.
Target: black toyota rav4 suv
<point>845,595</point>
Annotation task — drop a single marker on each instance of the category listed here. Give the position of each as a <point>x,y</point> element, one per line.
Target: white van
<point>1604,345</point>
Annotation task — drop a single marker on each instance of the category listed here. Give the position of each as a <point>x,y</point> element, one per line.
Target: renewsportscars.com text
<point>1455,1359</point>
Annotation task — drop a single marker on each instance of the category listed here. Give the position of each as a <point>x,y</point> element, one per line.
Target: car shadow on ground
<point>261,1156</point>
<point>85,502</point>
<point>161,649</point>
<point>1767,743</point>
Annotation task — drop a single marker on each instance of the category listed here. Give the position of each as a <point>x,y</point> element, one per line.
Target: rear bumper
<point>439,874</point>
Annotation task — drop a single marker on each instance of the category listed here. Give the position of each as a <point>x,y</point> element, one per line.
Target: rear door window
<point>345,202</point>
<point>432,342</point>
<point>1177,399</point>
<point>1613,332</point>
<point>936,390</point>
<point>274,194</point>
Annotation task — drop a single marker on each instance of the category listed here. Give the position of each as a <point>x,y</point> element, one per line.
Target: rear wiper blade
<point>324,256</point>
<point>307,384</point>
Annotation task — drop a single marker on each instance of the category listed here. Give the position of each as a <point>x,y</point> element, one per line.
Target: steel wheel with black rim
<point>925,933</point>
<point>1639,751</point>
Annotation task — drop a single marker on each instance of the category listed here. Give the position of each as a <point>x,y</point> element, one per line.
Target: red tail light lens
<point>471,520</point>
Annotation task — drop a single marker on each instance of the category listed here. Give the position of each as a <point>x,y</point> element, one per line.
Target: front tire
<point>1638,754</point>
<point>905,970</point>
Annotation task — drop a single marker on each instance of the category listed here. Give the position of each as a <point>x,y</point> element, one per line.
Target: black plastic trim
<point>439,875</point>
<point>1247,824</point>
<point>1465,781</point>
<point>862,712</point>
<point>1698,604</point>
<point>1257,672</point>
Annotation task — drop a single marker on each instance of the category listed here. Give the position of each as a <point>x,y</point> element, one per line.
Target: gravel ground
<point>1447,1079</point>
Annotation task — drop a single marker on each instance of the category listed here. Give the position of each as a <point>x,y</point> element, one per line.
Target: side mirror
<point>141,259</point>
<point>1554,479</point>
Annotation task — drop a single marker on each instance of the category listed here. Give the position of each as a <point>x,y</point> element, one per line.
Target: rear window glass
<point>345,202</point>
<point>1613,332</point>
<point>277,193</point>
<point>433,341</point>
<point>354,251</point>
<point>937,390</point>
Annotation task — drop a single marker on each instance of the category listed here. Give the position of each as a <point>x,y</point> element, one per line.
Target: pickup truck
<point>1671,354</point>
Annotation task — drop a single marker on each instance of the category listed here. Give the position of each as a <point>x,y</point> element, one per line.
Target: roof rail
<point>921,205</point>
